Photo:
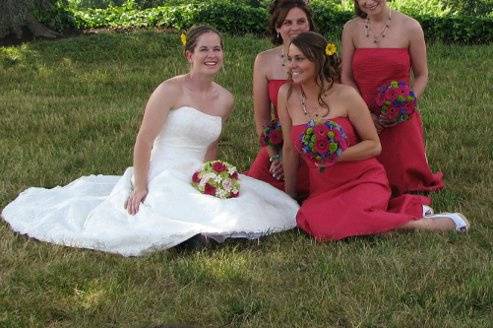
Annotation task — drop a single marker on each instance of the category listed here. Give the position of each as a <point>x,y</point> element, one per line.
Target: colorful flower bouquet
<point>396,102</point>
<point>217,178</point>
<point>323,142</point>
<point>272,135</point>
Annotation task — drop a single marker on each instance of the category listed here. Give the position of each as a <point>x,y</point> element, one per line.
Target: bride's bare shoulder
<point>226,100</point>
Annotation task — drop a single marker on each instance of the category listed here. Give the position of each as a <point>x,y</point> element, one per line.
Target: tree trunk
<point>39,30</point>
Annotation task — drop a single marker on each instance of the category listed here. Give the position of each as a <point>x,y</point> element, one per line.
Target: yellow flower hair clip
<point>183,38</point>
<point>330,49</point>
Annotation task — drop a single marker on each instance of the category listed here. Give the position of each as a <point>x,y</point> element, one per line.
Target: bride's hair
<point>327,67</point>
<point>194,33</point>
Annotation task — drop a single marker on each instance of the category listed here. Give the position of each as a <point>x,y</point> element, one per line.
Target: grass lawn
<point>72,107</point>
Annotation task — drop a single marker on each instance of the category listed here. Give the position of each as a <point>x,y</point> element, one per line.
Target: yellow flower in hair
<point>183,38</point>
<point>330,49</point>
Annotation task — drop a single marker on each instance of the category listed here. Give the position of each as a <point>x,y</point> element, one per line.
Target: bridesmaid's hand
<point>378,126</point>
<point>136,197</point>
<point>276,169</point>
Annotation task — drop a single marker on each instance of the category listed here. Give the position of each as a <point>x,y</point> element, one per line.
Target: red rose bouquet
<point>323,142</point>
<point>217,178</point>
<point>272,135</point>
<point>396,103</point>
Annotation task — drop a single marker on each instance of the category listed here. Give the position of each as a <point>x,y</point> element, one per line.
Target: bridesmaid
<point>288,18</point>
<point>352,197</point>
<point>378,46</point>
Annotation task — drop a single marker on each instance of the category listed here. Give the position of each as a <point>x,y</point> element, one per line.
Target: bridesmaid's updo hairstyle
<point>327,67</point>
<point>279,9</point>
<point>193,34</point>
<point>358,11</point>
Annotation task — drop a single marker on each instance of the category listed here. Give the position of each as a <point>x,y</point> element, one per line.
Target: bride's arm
<point>155,115</point>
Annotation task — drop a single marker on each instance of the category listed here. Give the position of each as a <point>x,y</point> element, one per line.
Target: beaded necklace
<point>311,116</point>
<point>381,35</point>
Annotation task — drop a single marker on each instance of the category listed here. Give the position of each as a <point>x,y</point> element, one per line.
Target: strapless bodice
<point>273,88</point>
<point>184,139</point>
<point>372,67</point>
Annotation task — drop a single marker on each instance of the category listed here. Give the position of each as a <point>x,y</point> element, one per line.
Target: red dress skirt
<point>352,198</point>
<point>403,145</point>
<point>259,169</point>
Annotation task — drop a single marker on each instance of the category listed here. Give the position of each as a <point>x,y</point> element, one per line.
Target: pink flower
<point>195,177</point>
<point>393,113</point>
<point>321,146</point>
<point>219,167</point>
<point>235,194</point>
<point>410,107</point>
<point>388,96</point>
<point>320,130</point>
<point>209,189</point>
<point>234,175</point>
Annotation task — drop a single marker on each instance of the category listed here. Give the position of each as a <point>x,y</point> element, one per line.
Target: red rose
<point>195,177</point>
<point>219,167</point>
<point>235,194</point>
<point>234,175</point>
<point>275,137</point>
<point>209,190</point>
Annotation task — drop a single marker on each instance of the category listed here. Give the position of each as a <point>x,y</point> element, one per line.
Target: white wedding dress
<point>89,212</point>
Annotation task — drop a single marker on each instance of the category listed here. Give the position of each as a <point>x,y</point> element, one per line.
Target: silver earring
<point>278,35</point>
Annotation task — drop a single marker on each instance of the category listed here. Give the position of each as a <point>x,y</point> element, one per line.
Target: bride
<point>153,205</point>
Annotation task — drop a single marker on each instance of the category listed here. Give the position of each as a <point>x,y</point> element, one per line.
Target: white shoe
<point>460,221</point>
<point>427,211</point>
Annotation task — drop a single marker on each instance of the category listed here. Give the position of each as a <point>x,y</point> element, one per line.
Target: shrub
<point>242,17</point>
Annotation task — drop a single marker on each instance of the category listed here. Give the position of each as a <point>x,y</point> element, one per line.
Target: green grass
<point>72,107</point>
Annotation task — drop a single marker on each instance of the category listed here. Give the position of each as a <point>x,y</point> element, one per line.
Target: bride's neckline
<point>196,110</point>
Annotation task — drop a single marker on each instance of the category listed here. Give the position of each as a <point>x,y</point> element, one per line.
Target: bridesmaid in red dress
<point>288,18</point>
<point>378,46</point>
<point>351,197</point>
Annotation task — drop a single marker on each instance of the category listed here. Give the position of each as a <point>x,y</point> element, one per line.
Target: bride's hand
<point>136,197</point>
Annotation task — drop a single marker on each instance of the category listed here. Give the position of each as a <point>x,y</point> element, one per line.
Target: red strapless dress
<point>403,146</point>
<point>352,198</point>
<point>259,169</point>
